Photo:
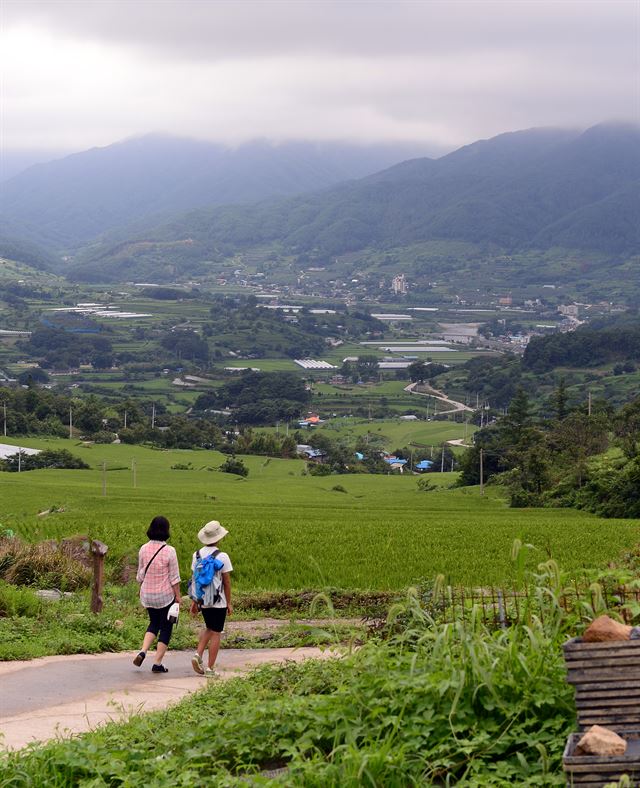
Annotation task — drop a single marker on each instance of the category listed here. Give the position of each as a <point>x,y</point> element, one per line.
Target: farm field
<point>396,433</point>
<point>292,531</point>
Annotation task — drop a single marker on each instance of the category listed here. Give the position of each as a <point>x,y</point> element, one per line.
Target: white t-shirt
<point>206,550</point>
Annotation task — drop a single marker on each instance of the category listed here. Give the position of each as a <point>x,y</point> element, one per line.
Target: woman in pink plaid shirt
<point>159,579</point>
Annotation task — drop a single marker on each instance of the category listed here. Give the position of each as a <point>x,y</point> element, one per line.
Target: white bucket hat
<point>212,532</point>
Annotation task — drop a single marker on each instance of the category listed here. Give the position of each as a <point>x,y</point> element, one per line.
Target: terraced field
<point>293,531</point>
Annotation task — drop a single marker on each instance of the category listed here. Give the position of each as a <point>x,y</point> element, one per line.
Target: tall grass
<point>45,565</point>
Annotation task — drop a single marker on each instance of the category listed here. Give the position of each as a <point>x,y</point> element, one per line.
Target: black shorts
<point>214,618</point>
<point>159,624</point>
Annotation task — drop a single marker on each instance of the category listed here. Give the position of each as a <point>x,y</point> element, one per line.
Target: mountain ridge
<point>69,201</point>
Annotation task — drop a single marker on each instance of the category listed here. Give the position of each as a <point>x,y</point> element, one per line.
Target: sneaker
<point>139,659</point>
<point>210,673</point>
<point>159,669</point>
<point>196,664</point>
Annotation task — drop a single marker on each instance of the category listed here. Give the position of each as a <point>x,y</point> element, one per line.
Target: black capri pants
<point>158,623</point>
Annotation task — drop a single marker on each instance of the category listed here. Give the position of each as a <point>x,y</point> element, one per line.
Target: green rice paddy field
<point>293,531</point>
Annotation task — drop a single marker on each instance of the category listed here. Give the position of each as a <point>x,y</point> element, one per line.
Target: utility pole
<point>4,407</point>
<point>19,459</point>
<point>125,419</point>
<point>133,471</point>
<point>442,461</point>
<point>104,478</point>
<point>481,471</point>
<point>589,405</point>
<point>153,416</point>
<point>70,423</point>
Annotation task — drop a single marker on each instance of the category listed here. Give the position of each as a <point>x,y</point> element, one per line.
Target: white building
<point>399,285</point>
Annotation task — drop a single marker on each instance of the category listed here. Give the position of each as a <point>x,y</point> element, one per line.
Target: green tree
<point>517,423</point>
<point>417,371</point>
<point>560,399</point>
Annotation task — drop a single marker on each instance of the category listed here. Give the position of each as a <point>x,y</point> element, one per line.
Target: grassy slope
<point>396,433</point>
<point>290,531</point>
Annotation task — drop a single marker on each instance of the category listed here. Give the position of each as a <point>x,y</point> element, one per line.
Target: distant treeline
<point>588,346</point>
<point>561,461</point>
<point>259,397</point>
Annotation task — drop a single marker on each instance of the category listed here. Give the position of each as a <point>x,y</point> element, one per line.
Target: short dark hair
<point>158,529</point>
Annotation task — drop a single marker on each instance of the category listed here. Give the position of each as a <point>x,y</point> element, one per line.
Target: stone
<point>53,594</point>
<point>604,629</point>
<point>601,741</point>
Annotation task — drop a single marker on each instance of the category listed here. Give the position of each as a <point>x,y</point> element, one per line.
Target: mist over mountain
<point>69,201</point>
<point>124,210</point>
<point>539,188</point>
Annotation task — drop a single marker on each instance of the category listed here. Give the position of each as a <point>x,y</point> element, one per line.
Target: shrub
<point>233,465</point>
<point>319,470</point>
<point>18,601</point>
<point>49,458</point>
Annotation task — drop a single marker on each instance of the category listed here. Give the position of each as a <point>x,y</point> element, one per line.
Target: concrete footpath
<point>58,696</point>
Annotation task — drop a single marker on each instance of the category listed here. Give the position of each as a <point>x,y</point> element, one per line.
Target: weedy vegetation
<point>426,703</point>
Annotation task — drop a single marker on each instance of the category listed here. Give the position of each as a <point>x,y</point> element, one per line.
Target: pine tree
<point>560,400</point>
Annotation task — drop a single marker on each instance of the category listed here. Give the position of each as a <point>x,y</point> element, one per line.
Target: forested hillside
<point>536,189</point>
<point>69,201</point>
<point>590,346</point>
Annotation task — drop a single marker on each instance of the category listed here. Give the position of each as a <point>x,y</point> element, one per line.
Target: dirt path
<point>456,407</point>
<point>459,442</point>
<point>59,696</point>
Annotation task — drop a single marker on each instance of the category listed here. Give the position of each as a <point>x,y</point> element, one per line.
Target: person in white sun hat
<point>212,599</point>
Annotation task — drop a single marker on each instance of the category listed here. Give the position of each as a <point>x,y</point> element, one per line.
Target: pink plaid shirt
<point>156,588</point>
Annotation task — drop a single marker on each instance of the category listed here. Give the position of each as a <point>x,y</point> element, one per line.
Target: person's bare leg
<point>161,650</point>
<point>214,647</point>
<point>203,641</point>
<point>149,637</point>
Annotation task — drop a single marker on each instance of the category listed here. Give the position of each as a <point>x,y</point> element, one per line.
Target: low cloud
<point>82,74</point>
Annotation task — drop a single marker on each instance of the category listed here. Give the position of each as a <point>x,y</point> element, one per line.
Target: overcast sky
<point>90,72</point>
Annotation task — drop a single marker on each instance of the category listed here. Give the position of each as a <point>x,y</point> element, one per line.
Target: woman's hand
<point>229,609</point>
<point>193,609</point>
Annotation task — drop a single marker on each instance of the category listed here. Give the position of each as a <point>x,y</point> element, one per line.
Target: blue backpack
<point>205,586</point>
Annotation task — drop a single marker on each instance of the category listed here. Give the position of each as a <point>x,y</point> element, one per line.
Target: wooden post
<point>104,478</point>
<point>98,551</point>
<point>133,469</point>
<point>481,471</point>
